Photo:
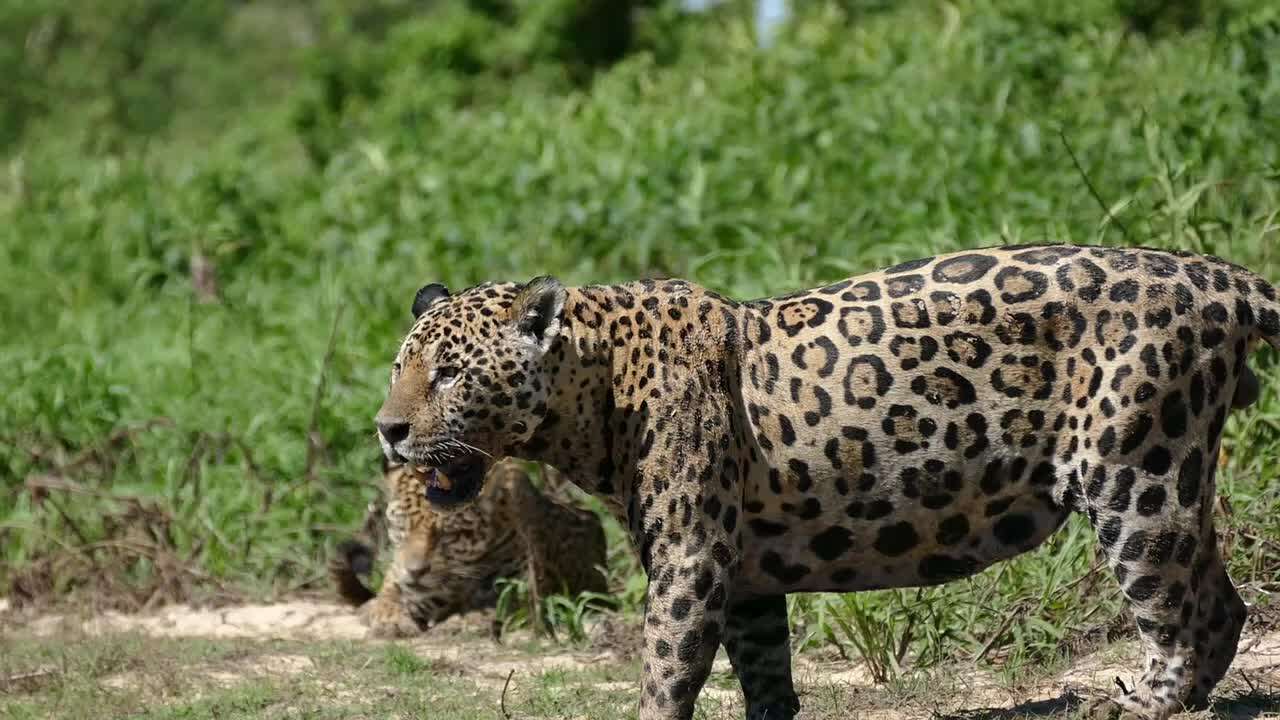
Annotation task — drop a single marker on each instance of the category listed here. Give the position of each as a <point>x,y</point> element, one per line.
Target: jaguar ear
<point>538,309</point>
<point>427,295</point>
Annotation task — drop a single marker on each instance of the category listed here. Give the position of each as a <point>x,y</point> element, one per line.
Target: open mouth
<point>453,483</point>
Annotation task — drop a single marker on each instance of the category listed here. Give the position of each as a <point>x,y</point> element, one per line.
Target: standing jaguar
<point>902,428</point>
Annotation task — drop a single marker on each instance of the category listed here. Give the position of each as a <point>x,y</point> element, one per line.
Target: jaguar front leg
<point>691,561</point>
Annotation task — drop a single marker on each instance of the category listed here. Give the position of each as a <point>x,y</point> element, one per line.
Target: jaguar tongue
<point>440,481</point>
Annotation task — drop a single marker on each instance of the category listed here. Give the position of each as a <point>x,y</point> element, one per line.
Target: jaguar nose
<point>393,431</point>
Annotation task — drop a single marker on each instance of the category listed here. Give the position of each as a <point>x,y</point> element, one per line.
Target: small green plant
<point>557,615</point>
<point>403,661</point>
<point>880,633</point>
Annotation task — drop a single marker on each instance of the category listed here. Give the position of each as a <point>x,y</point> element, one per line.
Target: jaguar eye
<point>446,374</point>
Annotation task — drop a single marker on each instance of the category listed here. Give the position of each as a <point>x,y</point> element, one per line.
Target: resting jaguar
<point>448,562</point>
<point>902,428</point>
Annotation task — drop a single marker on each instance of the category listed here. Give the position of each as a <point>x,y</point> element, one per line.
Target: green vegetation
<point>213,220</point>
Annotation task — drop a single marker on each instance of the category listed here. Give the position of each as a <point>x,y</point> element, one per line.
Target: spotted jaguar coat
<point>902,428</point>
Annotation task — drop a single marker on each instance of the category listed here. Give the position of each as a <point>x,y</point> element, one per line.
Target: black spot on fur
<point>1110,532</point>
<point>1157,460</point>
<point>943,568</point>
<point>1124,291</point>
<point>1173,415</point>
<point>1151,501</point>
<point>1122,490</point>
<point>1045,254</point>
<point>878,509</point>
<point>1143,588</point>
<point>1014,529</point>
<point>897,539</point>
<point>865,291</point>
<point>1189,478</point>
<point>766,528</point>
<point>904,285</point>
<point>800,314</point>
<point>866,380</point>
<point>908,266</point>
<point>786,573</point>
<point>1017,285</point>
<point>831,543</point>
<point>859,324</point>
<point>844,577</point>
<point>1136,433</point>
<point>963,268</point>
<point>953,530</point>
<point>911,314</point>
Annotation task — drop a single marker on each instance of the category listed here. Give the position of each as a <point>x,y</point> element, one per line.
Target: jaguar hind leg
<point>1156,530</point>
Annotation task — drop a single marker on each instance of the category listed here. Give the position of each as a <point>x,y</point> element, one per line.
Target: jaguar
<point>905,427</point>
<point>445,563</point>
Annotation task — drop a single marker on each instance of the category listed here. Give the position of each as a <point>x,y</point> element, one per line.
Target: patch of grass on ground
<point>198,321</point>
<point>117,676</point>
<point>134,676</point>
<point>123,675</point>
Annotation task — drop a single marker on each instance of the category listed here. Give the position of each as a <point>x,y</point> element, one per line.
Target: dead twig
<point>313,440</point>
<point>204,278</point>
<point>191,472</point>
<point>66,518</point>
<point>1012,615</point>
<point>1089,184</point>
<point>904,642</point>
<point>37,484</point>
<point>1248,681</point>
<point>502,701</point>
<point>1265,542</point>
<point>26,681</point>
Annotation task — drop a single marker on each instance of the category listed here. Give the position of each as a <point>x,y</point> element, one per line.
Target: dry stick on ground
<point>25,681</point>
<point>502,701</point>
<point>1089,184</point>
<point>191,472</point>
<point>1015,611</point>
<point>1012,614</point>
<point>904,643</point>
<point>66,518</point>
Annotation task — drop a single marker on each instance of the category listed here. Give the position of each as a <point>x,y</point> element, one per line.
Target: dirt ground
<point>281,650</point>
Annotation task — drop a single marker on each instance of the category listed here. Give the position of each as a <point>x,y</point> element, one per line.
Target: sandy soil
<point>461,644</point>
